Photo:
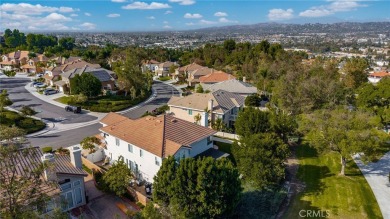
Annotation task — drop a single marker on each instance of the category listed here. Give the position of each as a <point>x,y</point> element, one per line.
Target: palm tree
<point>197,118</point>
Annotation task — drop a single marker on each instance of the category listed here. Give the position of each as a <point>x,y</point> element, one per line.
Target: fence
<point>227,135</point>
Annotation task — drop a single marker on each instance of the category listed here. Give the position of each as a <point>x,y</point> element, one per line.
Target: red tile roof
<point>215,77</point>
<point>380,74</point>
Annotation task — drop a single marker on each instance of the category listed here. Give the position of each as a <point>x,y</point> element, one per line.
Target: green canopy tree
<point>344,132</point>
<point>354,70</point>
<point>118,177</point>
<point>89,143</point>
<point>4,100</point>
<point>198,188</point>
<point>199,89</point>
<point>260,159</point>
<point>251,121</point>
<point>86,84</point>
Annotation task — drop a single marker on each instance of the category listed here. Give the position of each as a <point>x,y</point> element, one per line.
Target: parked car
<point>39,85</point>
<point>74,109</point>
<point>50,91</point>
<point>39,75</point>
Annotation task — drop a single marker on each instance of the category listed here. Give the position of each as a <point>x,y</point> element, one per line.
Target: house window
<point>190,112</point>
<point>77,195</point>
<point>117,141</point>
<point>141,153</point>
<point>76,183</point>
<point>209,140</point>
<point>66,186</point>
<point>130,148</point>
<point>157,162</point>
<point>131,165</point>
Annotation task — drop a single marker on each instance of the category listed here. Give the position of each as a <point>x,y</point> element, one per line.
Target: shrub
<point>47,150</point>
<point>166,78</point>
<point>28,111</point>
<point>10,73</point>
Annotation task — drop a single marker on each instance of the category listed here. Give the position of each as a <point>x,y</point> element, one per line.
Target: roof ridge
<point>164,138</point>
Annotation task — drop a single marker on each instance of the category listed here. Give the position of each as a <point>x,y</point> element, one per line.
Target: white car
<point>39,85</point>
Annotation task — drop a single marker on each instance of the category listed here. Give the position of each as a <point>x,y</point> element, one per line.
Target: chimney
<point>75,156</point>
<point>205,119</point>
<point>244,79</point>
<point>50,169</point>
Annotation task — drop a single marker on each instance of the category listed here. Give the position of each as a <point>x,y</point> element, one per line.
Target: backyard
<point>30,125</point>
<point>347,196</point>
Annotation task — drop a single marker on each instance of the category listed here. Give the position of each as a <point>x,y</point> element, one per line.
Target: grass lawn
<point>30,125</point>
<point>166,78</point>
<point>343,197</point>
<point>104,103</point>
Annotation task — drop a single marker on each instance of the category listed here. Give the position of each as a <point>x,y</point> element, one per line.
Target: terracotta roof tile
<point>112,118</point>
<point>380,74</point>
<point>215,77</point>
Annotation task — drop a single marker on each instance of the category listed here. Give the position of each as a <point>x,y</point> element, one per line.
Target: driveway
<point>377,176</point>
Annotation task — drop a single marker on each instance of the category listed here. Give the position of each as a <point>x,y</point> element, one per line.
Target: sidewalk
<point>377,176</point>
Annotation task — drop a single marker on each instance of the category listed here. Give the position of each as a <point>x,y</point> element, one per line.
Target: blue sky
<point>134,15</point>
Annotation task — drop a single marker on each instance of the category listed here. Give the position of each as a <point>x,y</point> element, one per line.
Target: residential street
<point>67,128</point>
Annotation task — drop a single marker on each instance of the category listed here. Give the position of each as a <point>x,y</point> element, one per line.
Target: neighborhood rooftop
<point>233,86</point>
<point>162,136</point>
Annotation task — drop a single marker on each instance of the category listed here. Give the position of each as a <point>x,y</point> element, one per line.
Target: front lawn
<point>347,196</point>
<point>104,103</point>
<point>30,125</point>
<point>166,78</point>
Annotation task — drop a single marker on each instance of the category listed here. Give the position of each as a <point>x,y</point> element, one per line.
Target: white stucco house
<point>146,141</point>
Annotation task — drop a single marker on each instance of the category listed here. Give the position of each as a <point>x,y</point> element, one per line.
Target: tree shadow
<point>305,151</point>
<point>313,175</point>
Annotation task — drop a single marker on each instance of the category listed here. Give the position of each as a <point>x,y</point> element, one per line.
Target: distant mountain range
<point>280,28</point>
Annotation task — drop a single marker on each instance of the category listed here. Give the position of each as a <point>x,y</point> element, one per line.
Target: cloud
<point>151,18</point>
<point>146,6</point>
<point>74,15</point>
<point>183,2</point>
<point>168,12</point>
<point>57,17</point>
<point>225,20</point>
<point>119,1</point>
<point>88,26</point>
<point>87,14</point>
<point>220,14</point>
<point>29,9</point>
<point>165,22</point>
<point>167,27</point>
<point>190,24</point>
<point>193,16</point>
<point>332,8</point>
<point>206,22</point>
<point>113,15</point>
<point>280,14</point>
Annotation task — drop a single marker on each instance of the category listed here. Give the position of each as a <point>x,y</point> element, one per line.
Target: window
<point>130,148</point>
<point>141,153</point>
<point>209,140</point>
<point>131,165</point>
<point>117,141</point>
<point>66,186</point>
<point>76,183</point>
<point>77,195</point>
<point>157,161</point>
<point>190,112</point>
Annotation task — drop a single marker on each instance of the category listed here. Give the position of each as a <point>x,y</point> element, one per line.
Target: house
<point>221,104</point>
<point>377,76</point>
<point>52,73</point>
<point>182,73</point>
<point>13,60</point>
<point>234,86</point>
<point>150,65</point>
<point>35,64</point>
<point>104,76</point>
<point>215,77</point>
<point>145,142</point>
<point>193,77</point>
<point>162,69</point>
<point>63,180</point>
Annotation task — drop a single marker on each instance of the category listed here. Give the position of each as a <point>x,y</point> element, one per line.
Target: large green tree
<point>197,188</point>
<point>118,177</point>
<point>251,121</point>
<point>260,159</point>
<point>355,72</point>
<point>86,84</point>
<point>343,131</point>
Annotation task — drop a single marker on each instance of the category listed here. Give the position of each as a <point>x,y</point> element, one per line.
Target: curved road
<point>20,96</point>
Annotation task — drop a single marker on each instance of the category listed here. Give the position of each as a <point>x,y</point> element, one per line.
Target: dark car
<point>74,109</point>
<point>50,91</point>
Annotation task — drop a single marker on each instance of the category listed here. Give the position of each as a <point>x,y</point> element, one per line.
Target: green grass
<point>166,78</point>
<point>87,169</point>
<point>347,196</point>
<point>30,125</point>
<point>105,103</point>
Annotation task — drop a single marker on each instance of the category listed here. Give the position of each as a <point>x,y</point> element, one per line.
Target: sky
<point>159,15</point>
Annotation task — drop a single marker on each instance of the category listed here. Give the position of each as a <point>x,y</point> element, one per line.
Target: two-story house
<point>233,86</point>
<point>35,64</point>
<point>150,65</point>
<point>13,60</point>
<point>208,107</point>
<point>193,76</point>
<point>377,76</point>
<point>145,142</point>
<point>162,69</point>
<point>182,72</point>
<point>104,76</point>
<point>62,180</point>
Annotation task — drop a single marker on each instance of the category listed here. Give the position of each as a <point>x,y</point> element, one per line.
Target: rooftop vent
<point>173,120</point>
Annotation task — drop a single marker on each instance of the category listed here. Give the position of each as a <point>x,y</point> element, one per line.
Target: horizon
<point>180,15</point>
